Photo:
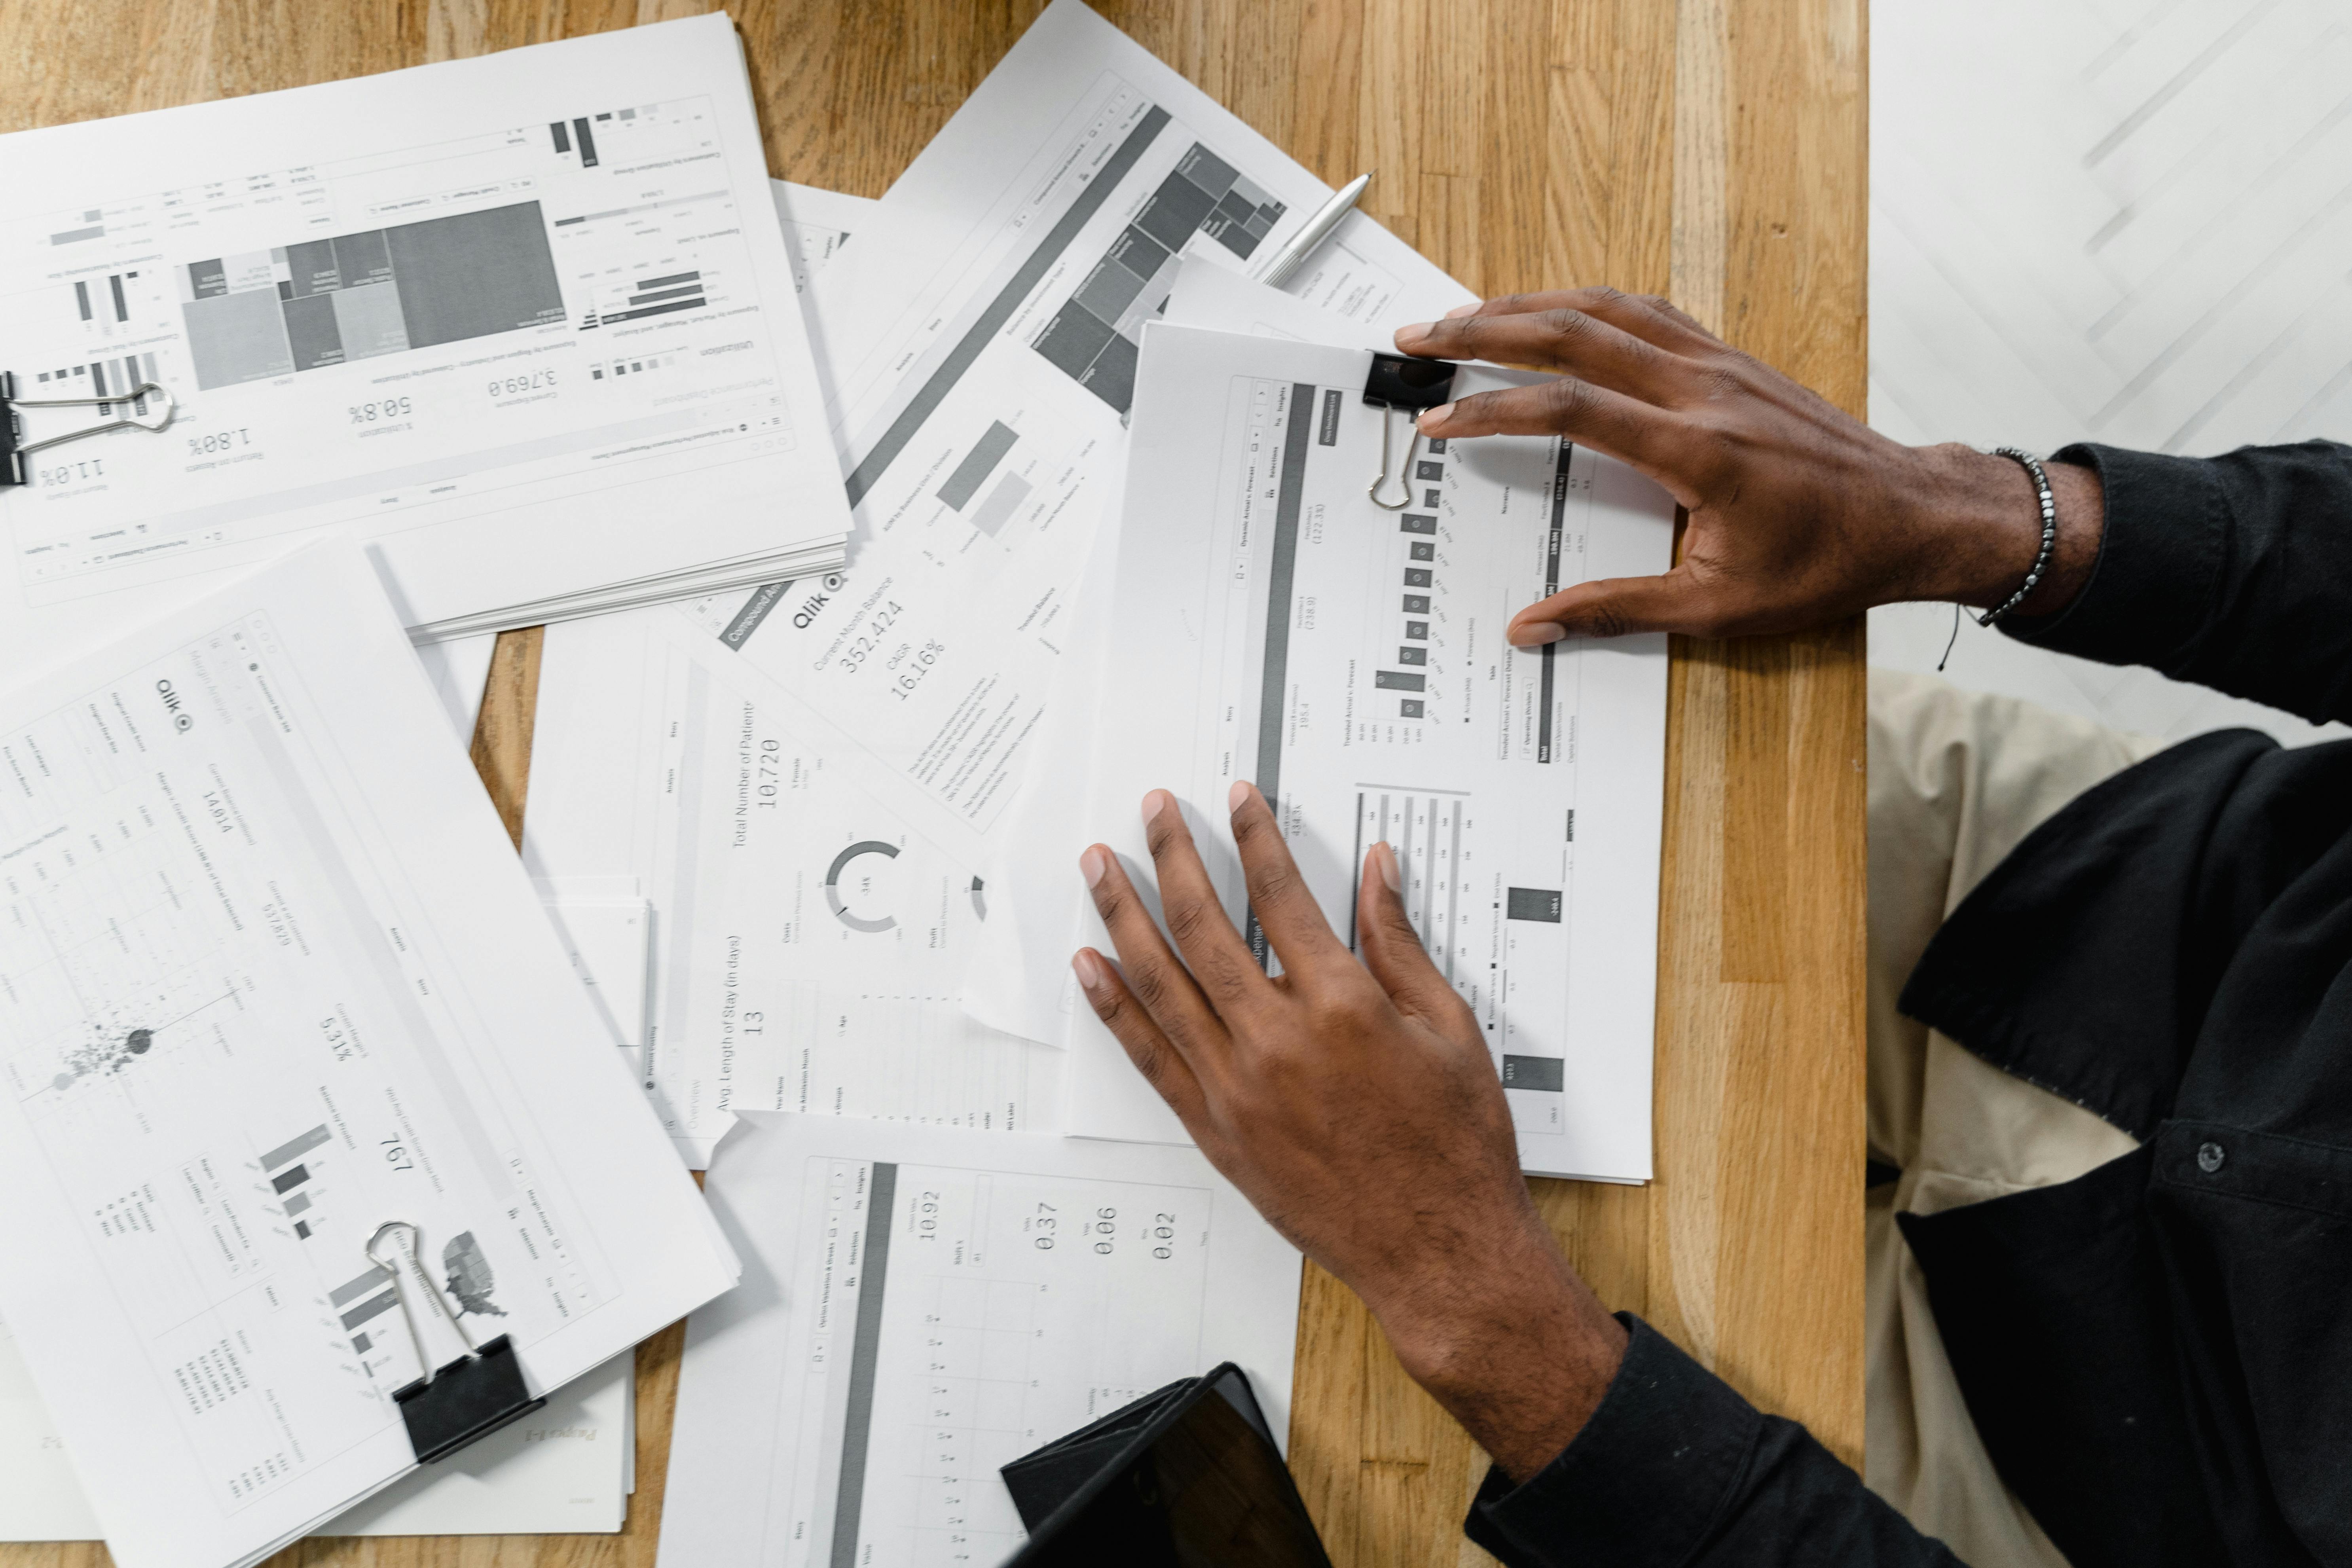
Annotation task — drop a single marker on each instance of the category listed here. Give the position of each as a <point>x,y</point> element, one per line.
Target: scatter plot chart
<point>105,1054</point>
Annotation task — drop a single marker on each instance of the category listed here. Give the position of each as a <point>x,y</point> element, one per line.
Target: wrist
<point>1975,522</point>
<point>1519,1350</point>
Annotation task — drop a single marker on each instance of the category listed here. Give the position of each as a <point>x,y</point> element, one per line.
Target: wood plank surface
<point>1712,149</point>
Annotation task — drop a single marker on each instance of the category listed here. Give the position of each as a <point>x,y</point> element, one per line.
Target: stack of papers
<point>855,802</point>
<point>274,978</point>
<point>798,892</point>
<point>524,323</point>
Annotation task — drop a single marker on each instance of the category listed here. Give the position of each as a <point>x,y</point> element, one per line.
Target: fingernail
<point>1238,797</point>
<point>1155,803</point>
<point>1092,865</point>
<point>1386,855</point>
<point>1417,330</point>
<point>1436,417</point>
<point>1534,634</point>
<point>1459,311</point>
<point>1088,967</point>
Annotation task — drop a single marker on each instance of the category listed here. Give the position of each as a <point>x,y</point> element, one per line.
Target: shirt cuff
<point>2160,560</point>
<point>1641,1483</point>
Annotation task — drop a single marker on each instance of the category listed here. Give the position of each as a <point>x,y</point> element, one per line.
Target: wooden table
<point>1711,150</point>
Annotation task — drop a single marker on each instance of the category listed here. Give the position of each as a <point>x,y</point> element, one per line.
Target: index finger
<point>1634,433</point>
<point>1646,316</point>
<point>1576,342</point>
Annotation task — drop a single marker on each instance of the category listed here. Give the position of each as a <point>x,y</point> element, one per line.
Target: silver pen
<point>1317,230</point>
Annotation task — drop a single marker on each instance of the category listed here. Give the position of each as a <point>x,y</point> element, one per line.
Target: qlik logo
<point>182,720</point>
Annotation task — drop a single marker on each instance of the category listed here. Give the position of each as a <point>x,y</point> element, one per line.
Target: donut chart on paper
<point>833,886</point>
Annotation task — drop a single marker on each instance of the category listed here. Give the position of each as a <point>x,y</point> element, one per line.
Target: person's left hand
<point>1356,1105</point>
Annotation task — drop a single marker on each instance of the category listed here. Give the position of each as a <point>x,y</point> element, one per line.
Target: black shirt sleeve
<point>1676,1470</point>
<point>2233,572</point>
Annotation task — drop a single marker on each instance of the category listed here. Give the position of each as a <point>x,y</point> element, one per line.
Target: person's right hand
<point>1800,514</point>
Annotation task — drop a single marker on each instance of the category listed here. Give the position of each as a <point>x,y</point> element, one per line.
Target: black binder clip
<point>137,416</point>
<point>1408,386</point>
<point>469,1398</point>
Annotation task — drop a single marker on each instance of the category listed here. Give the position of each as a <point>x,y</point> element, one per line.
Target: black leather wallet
<point>1186,1476</point>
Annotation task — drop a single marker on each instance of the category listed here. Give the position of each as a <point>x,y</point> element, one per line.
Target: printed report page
<point>807,941</point>
<point>986,406</point>
<point>525,320</point>
<point>924,1307</point>
<point>270,977</point>
<point>1274,625</point>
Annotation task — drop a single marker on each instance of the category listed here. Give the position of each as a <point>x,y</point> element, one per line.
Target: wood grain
<point>1712,149</point>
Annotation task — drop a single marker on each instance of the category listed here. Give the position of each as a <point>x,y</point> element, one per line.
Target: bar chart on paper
<point>292,1169</point>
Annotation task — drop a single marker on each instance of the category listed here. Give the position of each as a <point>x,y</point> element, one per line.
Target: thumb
<point>1391,949</point>
<point>1615,607</point>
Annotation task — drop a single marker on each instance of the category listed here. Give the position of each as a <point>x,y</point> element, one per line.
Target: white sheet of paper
<point>1274,625</point>
<point>1028,1285</point>
<point>664,761</point>
<point>1019,982</point>
<point>276,977</point>
<point>503,317</point>
<point>43,1500</point>
<point>2131,233</point>
<point>562,1471</point>
<point>994,348</point>
<point>610,940</point>
<point>817,225</point>
<point>808,942</point>
<point>458,669</point>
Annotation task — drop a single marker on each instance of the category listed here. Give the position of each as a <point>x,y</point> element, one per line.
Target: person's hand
<point>1355,1106</point>
<point>1800,514</point>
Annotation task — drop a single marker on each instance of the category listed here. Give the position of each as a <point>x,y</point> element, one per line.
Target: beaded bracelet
<point>2049,536</point>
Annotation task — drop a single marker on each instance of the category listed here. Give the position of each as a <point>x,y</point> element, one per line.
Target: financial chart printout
<point>983,395</point>
<point>929,1307</point>
<point>808,944</point>
<point>1349,661</point>
<point>525,320</point>
<point>259,997</point>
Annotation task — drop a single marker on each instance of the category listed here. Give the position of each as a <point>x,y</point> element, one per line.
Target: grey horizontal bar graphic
<point>673,277</point>
<point>69,236</point>
<point>296,1204</point>
<point>640,207</point>
<point>865,1355</point>
<point>977,464</point>
<point>765,597</point>
<point>369,1309</point>
<point>344,1295</point>
<point>1548,1074</point>
<point>695,290</point>
<point>287,1153</point>
<point>1532,904</point>
<point>693,304</point>
<point>1041,261</point>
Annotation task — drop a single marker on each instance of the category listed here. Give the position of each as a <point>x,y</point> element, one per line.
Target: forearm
<point>2233,572</point>
<point>1520,1351</point>
<point>1675,1468</point>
